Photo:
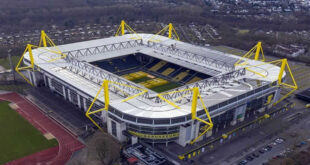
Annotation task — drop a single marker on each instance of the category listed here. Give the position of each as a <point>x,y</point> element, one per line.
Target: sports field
<point>150,81</point>
<point>18,137</point>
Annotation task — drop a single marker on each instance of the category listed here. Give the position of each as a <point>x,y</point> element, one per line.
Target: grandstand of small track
<point>153,73</point>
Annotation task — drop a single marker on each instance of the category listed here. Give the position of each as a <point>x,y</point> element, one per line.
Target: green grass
<point>139,80</point>
<point>18,137</point>
<point>16,88</point>
<point>165,87</point>
<point>5,61</point>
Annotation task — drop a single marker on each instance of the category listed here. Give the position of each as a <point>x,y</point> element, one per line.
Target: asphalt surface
<point>302,125</point>
<point>236,148</point>
<point>245,144</point>
<point>63,108</point>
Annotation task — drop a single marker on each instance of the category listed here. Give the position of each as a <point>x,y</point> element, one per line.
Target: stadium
<point>154,88</point>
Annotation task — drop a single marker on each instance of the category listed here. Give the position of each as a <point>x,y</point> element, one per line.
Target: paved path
<point>53,156</point>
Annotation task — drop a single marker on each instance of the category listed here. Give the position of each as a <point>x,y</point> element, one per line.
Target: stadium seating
<point>167,71</point>
<point>119,64</point>
<point>180,76</point>
<point>194,80</point>
<point>132,69</point>
<point>190,75</point>
<point>149,65</point>
<point>158,66</point>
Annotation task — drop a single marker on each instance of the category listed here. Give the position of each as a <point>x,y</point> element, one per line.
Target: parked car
<point>261,151</point>
<point>249,158</point>
<point>243,162</point>
<point>255,155</point>
<point>273,143</point>
<point>279,140</point>
<point>268,148</point>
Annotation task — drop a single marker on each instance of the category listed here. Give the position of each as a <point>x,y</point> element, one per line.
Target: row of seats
<point>176,72</point>
<point>118,64</point>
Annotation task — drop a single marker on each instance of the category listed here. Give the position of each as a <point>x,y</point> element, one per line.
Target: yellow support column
<point>30,55</point>
<point>88,112</point>
<point>170,30</point>
<point>258,48</point>
<point>43,38</point>
<point>122,27</point>
<point>121,30</point>
<point>256,51</point>
<point>283,65</point>
<point>106,94</point>
<point>172,34</point>
<point>194,102</point>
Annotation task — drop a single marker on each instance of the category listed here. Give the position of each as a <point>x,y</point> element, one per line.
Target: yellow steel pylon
<point>195,96</point>
<point>256,51</point>
<point>209,123</point>
<point>105,86</point>
<point>44,41</point>
<point>172,33</point>
<point>19,67</point>
<point>294,87</point>
<point>124,26</point>
<point>283,65</point>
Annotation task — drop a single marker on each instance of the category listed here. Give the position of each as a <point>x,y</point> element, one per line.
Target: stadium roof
<point>227,82</point>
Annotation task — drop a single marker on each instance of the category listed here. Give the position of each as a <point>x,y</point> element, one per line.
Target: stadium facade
<point>230,92</point>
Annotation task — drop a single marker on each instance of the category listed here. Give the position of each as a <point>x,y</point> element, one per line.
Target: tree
<point>106,148</point>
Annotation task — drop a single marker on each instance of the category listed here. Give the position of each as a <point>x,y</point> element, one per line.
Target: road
<point>244,144</point>
<point>301,127</point>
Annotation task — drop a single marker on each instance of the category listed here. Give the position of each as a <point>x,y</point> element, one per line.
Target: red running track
<point>54,156</point>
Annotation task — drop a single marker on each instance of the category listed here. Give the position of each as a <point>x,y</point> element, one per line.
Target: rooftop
<point>227,82</point>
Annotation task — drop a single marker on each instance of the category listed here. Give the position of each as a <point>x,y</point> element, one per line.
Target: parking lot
<point>287,142</point>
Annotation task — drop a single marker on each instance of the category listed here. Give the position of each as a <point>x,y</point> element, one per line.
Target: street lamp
<point>11,64</point>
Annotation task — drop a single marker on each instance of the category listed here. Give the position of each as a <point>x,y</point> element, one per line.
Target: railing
<point>104,48</point>
<point>207,61</point>
<point>203,84</point>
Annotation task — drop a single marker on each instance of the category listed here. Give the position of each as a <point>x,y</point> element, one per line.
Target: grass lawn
<point>142,79</point>
<point>16,88</point>
<point>18,137</point>
<point>165,87</point>
<point>5,61</point>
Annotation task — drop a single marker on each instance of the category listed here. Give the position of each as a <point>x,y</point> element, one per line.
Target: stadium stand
<point>167,71</point>
<point>180,76</point>
<point>193,80</point>
<point>152,63</point>
<point>158,66</point>
<point>189,76</point>
<point>119,64</point>
<point>150,72</point>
